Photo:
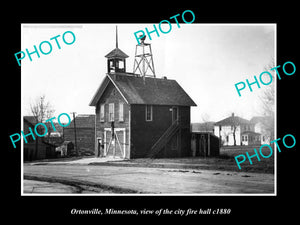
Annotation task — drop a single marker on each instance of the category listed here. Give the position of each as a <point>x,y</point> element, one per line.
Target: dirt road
<point>154,180</point>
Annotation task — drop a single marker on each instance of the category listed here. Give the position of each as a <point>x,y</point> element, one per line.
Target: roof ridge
<point>140,90</point>
<point>233,120</point>
<point>116,53</point>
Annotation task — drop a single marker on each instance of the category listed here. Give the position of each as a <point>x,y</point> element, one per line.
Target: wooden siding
<point>85,137</point>
<point>185,133</point>
<point>111,95</point>
<point>36,149</point>
<point>145,133</point>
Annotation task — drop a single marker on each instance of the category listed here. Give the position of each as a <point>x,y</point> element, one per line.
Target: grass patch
<point>264,165</point>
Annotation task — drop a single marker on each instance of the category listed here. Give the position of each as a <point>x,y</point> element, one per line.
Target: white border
<point>275,111</point>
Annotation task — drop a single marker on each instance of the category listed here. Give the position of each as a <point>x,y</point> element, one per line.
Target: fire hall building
<point>137,114</point>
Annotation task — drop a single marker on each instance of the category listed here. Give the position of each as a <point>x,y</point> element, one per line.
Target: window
<point>111,112</point>
<point>244,138</point>
<point>121,111</point>
<point>102,112</point>
<point>111,65</point>
<point>121,64</point>
<point>149,113</point>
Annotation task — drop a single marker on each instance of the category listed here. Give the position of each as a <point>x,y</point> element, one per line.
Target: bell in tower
<point>143,61</point>
<point>116,62</point>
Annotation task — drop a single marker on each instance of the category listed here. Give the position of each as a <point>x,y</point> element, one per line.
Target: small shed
<point>66,149</point>
<point>205,144</point>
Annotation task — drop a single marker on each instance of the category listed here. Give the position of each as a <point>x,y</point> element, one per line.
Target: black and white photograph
<point>118,109</point>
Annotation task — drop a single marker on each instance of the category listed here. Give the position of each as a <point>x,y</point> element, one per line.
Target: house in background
<point>235,130</point>
<point>84,127</point>
<point>259,130</point>
<point>139,115</point>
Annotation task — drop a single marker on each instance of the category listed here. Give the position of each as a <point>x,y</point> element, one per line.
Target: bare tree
<point>234,127</point>
<point>205,121</point>
<point>226,134</point>
<point>41,111</point>
<point>234,134</point>
<point>268,95</point>
<point>267,100</point>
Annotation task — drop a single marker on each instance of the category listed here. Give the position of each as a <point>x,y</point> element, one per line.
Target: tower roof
<point>116,53</point>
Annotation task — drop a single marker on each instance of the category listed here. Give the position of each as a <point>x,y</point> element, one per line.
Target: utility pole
<point>76,149</point>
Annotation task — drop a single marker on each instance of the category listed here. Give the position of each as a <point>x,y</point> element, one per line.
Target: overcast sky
<point>205,59</point>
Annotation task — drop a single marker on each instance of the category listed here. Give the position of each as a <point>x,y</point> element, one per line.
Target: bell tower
<point>116,59</point>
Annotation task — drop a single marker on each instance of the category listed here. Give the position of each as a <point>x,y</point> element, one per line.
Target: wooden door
<point>114,145</point>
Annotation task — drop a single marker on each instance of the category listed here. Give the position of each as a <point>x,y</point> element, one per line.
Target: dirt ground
<point>144,180</point>
<point>40,186</point>
<point>225,162</point>
<point>190,175</point>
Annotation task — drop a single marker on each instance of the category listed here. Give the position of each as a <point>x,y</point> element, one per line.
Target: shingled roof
<point>150,91</point>
<point>83,121</point>
<point>30,119</point>
<point>116,53</point>
<point>231,121</point>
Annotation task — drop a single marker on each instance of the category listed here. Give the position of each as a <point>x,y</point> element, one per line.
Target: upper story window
<point>102,112</point>
<point>149,113</point>
<point>111,112</point>
<point>121,111</point>
<point>121,65</point>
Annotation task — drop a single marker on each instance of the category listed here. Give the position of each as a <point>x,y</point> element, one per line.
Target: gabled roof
<point>232,121</point>
<point>116,53</point>
<point>30,119</point>
<point>147,91</point>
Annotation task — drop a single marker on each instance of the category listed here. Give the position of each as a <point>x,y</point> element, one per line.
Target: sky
<point>205,59</point>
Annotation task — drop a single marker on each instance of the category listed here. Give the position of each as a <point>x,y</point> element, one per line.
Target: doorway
<point>114,145</point>
<point>174,113</point>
